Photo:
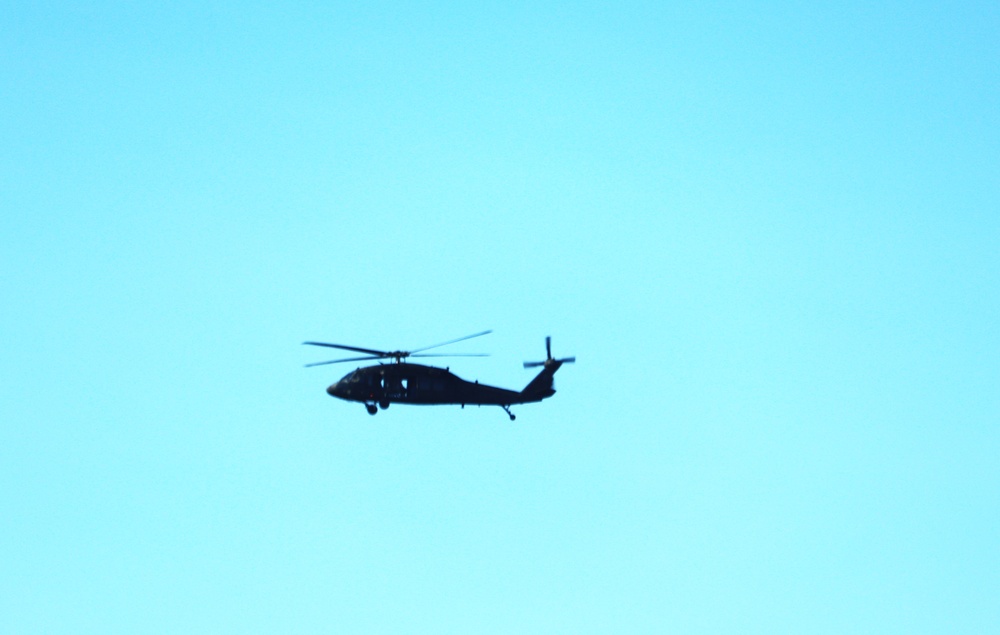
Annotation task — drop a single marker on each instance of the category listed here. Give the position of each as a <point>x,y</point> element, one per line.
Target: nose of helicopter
<point>333,389</point>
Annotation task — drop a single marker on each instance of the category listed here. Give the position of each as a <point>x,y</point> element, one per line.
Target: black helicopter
<point>403,382</point>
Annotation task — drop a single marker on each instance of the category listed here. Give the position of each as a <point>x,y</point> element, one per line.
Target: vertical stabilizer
<point>541,386</point>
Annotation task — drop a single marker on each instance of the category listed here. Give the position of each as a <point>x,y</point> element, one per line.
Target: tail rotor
<point>549,360</point>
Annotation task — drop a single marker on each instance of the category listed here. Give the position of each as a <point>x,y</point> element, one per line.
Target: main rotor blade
<point>350,348</point>
<point>450,355</point>
<point>467,337</point>
<point>349,359</point>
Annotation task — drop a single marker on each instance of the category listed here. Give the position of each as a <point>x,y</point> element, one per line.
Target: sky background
<point>768,231</point>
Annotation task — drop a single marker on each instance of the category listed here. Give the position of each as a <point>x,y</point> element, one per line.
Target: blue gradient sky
<point>768,232</point>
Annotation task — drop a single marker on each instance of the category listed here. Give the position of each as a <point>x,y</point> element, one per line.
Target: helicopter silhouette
<point>383,384</point>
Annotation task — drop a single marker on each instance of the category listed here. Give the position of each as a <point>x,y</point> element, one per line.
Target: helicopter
<point>400,381</point>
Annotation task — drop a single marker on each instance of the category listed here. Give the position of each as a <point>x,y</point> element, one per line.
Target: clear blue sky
<point>769,232</point>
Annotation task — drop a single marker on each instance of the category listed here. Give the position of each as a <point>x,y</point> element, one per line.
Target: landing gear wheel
<point>509,413</point>
<point>384,404</point>
<point>370,407</point>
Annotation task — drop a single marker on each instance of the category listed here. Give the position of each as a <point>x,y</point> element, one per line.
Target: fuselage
<point>423,385</point>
